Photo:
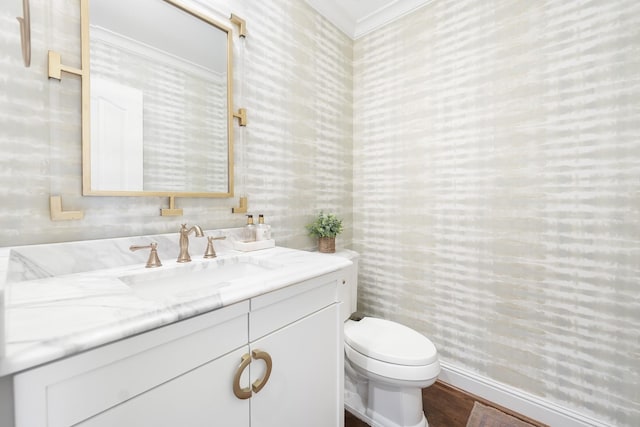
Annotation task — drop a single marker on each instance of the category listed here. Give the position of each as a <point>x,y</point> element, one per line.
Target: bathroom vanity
<point>259,345</point>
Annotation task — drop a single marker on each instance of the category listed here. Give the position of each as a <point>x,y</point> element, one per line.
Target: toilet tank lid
<point>389,342</point>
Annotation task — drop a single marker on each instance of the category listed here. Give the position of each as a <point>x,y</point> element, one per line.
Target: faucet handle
<point>211,252</point>
<point>154,260</point>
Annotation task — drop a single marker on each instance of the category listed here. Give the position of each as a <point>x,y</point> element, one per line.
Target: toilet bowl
<point>386,365</point>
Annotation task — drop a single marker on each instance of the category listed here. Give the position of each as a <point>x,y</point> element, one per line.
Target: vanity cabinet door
<point>145,380</point>
<point>202,397</point>
<point>305,385</point>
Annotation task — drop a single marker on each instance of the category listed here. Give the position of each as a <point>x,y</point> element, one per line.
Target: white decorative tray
<point>253,246</point>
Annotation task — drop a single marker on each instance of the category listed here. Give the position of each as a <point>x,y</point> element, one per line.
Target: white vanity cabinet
<point>184,374</point>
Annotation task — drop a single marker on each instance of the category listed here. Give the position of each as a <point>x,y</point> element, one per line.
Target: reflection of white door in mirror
<point>116,136</point>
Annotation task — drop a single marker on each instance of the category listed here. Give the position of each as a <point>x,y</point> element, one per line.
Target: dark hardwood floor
<point>445,406</point>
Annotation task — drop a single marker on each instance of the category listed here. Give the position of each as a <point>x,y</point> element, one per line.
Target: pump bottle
<point>249,230</point>
<point>263,231</point>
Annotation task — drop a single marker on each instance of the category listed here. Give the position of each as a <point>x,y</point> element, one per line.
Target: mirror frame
<point>86,112</point>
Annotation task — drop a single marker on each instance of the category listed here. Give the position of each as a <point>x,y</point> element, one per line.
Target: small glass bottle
<point>263,231</point>
<point>249,230</point>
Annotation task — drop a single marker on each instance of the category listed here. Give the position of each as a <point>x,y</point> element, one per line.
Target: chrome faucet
<point>184,241</point>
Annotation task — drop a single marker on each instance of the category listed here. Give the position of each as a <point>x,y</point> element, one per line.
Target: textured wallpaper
<point>484,154</point>
<point>293,74</point>
<point>298,152</point>
<point>497,191</point>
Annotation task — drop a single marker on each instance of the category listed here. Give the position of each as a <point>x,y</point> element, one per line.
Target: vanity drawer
<point>69,391</point>
<point>277,309</point>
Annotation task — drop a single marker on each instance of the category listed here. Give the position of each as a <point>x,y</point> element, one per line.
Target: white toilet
<point>386,364</point>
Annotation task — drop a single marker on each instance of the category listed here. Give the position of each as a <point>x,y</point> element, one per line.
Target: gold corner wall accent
<point>242,25</point>
<point>57,214</point>
<point>25,33</point>
<point>241,115</point>
<point>55,61</point>
<point>172,211</point>
<point>243,206</point>
<point>56,67</point>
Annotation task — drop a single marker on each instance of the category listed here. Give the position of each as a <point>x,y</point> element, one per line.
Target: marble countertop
<point>62,299</point>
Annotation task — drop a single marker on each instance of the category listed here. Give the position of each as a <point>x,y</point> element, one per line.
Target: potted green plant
<point>325,227</point>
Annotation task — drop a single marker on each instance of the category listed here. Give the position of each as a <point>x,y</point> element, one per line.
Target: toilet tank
<point>349,287</point>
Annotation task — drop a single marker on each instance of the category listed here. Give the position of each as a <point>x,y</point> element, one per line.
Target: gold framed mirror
<point>157,111</point>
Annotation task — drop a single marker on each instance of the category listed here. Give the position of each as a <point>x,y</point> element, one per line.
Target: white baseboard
<point>516,400</point>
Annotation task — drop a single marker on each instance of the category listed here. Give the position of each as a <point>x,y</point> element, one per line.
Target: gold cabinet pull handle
<point>259,383</point>
<point>241,393</point>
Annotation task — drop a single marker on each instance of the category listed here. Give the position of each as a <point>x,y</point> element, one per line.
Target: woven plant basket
<point>327,245</point>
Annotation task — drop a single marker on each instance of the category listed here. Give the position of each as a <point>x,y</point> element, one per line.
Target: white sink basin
<point>195,280</point>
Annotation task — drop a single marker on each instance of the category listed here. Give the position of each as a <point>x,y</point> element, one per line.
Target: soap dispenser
<point>249,230</point>
<point>263,231</point>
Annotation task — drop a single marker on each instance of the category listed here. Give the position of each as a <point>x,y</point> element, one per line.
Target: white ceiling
<point>358,17</point>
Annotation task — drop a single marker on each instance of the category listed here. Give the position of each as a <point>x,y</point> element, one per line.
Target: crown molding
<point>369,20</point>
<point>386,14</point>
<point>335,13</point>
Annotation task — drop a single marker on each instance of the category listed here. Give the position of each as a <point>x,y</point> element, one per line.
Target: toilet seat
<point>385,349</point>
<point>389,342</point>
<point>421,376</point>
